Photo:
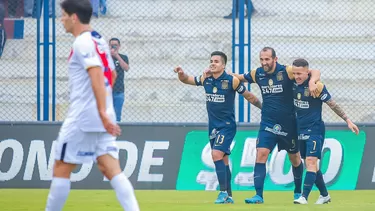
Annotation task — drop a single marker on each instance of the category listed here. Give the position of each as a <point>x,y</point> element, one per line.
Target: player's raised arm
<point>239,76</point>
<point>241,89</point>
<point>314,78</point>
<point>247,77</point>
<point>326,97</point>
<point>187,79</point>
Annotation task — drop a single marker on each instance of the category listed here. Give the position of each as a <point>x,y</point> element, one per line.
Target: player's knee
<point>295,159</point>
<point>262,155</point>
<point>62,169</point>
<point>109,166</point>
<point>217,155</point>
<point>311,164</point>
<point>226,160</point>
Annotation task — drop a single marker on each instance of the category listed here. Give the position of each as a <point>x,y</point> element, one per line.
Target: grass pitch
<point>105,200</point>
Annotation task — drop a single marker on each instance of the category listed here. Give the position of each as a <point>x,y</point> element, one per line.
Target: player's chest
<point>274,84</point>
<point>301,93</point>
<point>219,87</point>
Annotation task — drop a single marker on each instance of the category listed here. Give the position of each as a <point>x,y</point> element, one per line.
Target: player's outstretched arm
<point>340,112</point>
<point>241,89</point>
<point>183,77</point>
<point>98,87</point>
<point>252,99</point>
<point>241,77</point>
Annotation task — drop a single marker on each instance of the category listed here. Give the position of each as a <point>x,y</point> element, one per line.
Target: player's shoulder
<point>283,68</point>
<point>83,41</point>
<point>288,67</point>
<point>320,85</point>
<point>233,78</point>
<point>259,71</point>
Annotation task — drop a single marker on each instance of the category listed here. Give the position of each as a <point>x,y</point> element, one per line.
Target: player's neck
<point>272,71</point>
<point>217,75</point>
<point>81,29</point>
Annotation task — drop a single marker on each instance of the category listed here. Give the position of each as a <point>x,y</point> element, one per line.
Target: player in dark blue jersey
<point>278,122</point>
<point>311,128</point>
<point>220,89</point>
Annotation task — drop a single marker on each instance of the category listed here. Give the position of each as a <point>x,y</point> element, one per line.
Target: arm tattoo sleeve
<point>337,109</point>
<point>253,99</point>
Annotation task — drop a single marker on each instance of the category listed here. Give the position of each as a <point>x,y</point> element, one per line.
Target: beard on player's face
<point>268,67</point>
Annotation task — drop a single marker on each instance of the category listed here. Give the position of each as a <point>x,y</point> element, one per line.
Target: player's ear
<point>74,18</point>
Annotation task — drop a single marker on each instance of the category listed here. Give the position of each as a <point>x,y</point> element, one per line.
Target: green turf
<point>104,200</point>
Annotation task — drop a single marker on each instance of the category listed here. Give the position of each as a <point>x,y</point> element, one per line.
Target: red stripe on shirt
<point>107,69</point>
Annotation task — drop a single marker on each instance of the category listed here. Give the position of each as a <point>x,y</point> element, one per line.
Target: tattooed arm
<point>340,112</point>
<point>337,109</point>
<point>252,99</point>
<point>241,89</point>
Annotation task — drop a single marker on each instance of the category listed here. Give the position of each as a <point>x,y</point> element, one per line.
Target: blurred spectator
<point>99,5</point>
<point>122,65</point>
<point>103,7</point>
<point>2,29</point>
<point>12,8</point>
<point>30,8</point>
<point>249,8</point>
<point>95,8</point>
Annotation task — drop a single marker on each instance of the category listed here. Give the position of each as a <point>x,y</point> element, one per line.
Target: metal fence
<point>336,37</point>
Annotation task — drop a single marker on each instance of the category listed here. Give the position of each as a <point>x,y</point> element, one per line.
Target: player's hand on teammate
<point>352,126</point>
<point>313,88</point>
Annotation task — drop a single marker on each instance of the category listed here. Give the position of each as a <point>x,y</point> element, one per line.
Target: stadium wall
<point>177,156</point>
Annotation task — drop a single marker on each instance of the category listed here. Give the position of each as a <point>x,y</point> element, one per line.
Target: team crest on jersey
<point>214,90</point>
<point>299,96</point>
<point>277,128</point>
<point>279,76</point>
<point>307,92</point>
<point>224,84</point>
<point>270,82</point>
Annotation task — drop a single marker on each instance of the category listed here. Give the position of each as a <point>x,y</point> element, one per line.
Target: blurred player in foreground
<point>88,132</point>
<point>220,89</point>
<point>278,122</point>
<point>311,128</point>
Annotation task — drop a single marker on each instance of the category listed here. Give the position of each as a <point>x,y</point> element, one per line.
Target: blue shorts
<point>221,139</point>
<point>311,145</point>
<point>285,136</point>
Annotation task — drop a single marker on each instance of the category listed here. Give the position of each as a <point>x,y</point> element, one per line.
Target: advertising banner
<point>341,159</point>
<point>147,158</point>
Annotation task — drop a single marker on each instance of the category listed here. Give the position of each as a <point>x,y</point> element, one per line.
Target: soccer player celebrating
<point>311,128</point>
<point>220,88</point>
<point>278,122</point>
<point>88,132</point>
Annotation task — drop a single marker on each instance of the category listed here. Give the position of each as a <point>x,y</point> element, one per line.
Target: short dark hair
<point>221,54</point>
<point>115,39</point>
<point>300,63</point>
<point>270,49</point>
<point>82,8</point>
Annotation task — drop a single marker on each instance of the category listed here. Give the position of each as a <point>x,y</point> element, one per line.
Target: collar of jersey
<point>221,76</point>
